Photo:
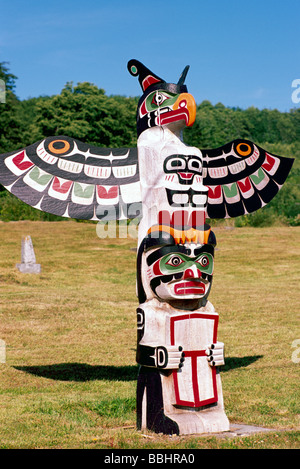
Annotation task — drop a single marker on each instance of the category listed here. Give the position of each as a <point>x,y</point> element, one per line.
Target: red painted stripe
<point>194,355</point>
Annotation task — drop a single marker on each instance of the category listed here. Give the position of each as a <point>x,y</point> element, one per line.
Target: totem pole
<point>179,387</point>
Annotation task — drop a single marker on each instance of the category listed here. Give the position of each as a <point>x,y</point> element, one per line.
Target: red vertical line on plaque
<point>194,355</point>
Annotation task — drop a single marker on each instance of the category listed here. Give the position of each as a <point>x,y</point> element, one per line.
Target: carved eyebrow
<point>205,248</point>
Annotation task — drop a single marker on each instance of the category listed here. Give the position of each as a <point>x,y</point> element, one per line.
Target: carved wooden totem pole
<point>179,387</point>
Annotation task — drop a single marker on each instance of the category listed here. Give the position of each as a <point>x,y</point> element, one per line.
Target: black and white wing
<point>65,177</point>
<point>241,178</point>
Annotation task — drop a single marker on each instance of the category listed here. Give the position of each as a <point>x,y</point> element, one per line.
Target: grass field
<point>69,378</point>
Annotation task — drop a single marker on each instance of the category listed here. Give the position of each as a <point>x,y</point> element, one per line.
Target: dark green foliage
<point>8,77</point>
<point>12,209</point>
<point>216,125</point>
<point>10,119</point>
<point>86,113</point>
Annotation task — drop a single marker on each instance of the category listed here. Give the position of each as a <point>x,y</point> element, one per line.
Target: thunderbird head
<point>162,103</point>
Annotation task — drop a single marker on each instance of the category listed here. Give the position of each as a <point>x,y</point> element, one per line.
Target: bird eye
<point>243,149</point>
<point>159,98</point>
<point>175,261</point>
<point>59,146</point>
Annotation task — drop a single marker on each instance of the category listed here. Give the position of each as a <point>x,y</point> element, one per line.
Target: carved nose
<point>192,273</point>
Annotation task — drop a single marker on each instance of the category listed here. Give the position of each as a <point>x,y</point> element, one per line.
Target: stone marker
<point>28,261</point>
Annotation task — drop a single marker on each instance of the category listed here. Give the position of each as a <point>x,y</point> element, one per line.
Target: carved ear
<point>146,77</point>
<point>139,282</point>
<point>183,76</point>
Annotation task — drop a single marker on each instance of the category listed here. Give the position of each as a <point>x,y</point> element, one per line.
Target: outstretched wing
<point>241,178</point>
<point>65,177</point>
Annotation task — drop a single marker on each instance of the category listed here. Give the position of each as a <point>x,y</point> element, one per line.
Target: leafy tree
<point>86,113</point>
<point>7,77</point>
<point>216,125</point>
<point>11,126</point>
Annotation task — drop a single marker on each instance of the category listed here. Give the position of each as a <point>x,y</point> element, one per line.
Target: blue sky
<point>241,53</point>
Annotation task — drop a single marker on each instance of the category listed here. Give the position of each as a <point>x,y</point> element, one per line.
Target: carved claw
<point>215,354</point>
<point>169,357</point>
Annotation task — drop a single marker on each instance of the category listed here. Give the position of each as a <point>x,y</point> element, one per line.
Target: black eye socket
<point>175,163</point>
<point>195,165</point>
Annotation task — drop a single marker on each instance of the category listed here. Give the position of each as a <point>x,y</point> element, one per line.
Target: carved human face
<point>180,272</point>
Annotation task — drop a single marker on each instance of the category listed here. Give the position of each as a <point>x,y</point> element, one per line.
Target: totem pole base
<point>156,415</point>
<point>209,419</point>
<point>188,400</point>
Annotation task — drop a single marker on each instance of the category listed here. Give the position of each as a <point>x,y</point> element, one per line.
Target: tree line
<point>85,112</point>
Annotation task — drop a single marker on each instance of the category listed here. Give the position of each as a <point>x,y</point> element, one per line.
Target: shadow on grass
<point>239,362</point>
<point>83,372</point>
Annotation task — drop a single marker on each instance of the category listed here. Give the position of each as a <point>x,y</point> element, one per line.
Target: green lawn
<point>69,378</point>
